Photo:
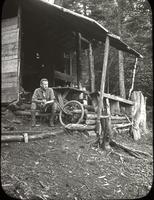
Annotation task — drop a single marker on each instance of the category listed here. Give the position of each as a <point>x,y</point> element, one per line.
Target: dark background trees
<point>132,20</point>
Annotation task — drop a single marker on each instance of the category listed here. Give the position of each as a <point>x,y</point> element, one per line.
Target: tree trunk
<point>120,54</point>
<point>21,138</point>
<point>121,76</point>
<point>91,69</point>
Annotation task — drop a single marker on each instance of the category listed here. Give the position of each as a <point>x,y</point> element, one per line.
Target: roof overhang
<point>75,22</point>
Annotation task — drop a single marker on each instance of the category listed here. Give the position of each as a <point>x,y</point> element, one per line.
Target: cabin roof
<point>88,27</point>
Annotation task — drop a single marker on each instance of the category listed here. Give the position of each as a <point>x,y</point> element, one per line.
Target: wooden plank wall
<point>9,59</point>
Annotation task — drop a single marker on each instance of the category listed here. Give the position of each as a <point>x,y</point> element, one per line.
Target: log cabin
<point>42,39</point>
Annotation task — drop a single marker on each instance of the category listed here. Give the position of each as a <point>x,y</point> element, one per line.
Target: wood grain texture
<point>10,61</point>
<point>9,66</point>
<point>10,22</point>
<point>10,49</point>
<point>9,94</point>
<point>10,36</point>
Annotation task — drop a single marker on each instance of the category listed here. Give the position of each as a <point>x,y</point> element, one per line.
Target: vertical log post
<point>121,76</point>
<point>102,86</point>
<point>108,130</point>
<point>120,53</point>
<point>78,59</point>
<point>133,79</point>
<point>19,80</point>
<point>91,69</point>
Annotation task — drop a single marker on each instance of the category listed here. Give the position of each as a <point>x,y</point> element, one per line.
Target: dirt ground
<point>66,166</point>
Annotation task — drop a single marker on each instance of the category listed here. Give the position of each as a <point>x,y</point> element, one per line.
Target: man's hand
<point>47,102</point>
<point>44,102</point>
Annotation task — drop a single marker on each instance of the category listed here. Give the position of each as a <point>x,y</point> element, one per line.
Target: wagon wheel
<point>72,112</point>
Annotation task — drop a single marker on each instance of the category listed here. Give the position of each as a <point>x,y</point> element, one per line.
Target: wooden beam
<point>102,86</point>
<point>116,98</point>
<point>85,40</point>
<point>63,76</point>
<point>78,57</point>
<point>91,68</point>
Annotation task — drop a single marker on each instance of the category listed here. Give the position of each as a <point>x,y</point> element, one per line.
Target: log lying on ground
<point>80,127</point>
<point>21,131</point>
<point>20,138</point>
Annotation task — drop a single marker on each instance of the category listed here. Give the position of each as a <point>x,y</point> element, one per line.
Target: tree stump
<point>138,114</point>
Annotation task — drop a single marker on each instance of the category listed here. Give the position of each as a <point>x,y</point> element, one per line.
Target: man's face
<point>44,85</point>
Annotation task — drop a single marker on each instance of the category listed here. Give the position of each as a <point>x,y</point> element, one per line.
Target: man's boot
<point>53,114</point>
<point>51,121</point>
<point>33,113</point>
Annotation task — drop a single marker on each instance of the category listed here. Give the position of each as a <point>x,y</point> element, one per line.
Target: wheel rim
<point>72,112</point>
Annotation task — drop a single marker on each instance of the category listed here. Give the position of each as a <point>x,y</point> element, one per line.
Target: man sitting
<point>44,100</point>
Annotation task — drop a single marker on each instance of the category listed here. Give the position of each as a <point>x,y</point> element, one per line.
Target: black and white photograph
<point>76,99</point>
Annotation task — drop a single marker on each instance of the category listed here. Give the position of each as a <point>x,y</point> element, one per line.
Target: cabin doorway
<point>41,56</point>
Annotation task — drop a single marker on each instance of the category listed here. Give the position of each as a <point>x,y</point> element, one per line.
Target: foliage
<point>136,31</point>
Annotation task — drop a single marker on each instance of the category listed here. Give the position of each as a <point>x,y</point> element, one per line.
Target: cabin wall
<point>10,59</point>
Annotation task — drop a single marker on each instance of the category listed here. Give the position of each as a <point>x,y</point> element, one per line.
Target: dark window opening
<point>40,55</point>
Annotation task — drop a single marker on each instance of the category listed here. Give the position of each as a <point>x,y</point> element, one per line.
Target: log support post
<point>19,74</point>
<point>78,58</point>
<point>121,76</point>
<point>102,87</point>
<point>106,123</point>
<point>91,69</point>
<point>133,79</point>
